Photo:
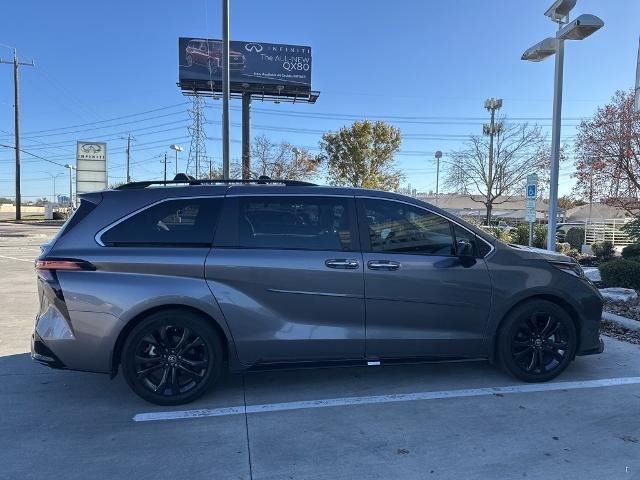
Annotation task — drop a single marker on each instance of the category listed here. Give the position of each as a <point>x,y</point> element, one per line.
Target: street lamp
<point>578,29</point>
<point>54,184</point>
<point>438,157</point>
<point>177,148</point>
<point>71,169</point>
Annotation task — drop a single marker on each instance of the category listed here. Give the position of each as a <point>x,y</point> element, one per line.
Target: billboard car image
<point>266,67</point>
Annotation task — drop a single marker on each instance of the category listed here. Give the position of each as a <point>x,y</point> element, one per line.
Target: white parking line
<point>402,397</point>
<point>14,258</point>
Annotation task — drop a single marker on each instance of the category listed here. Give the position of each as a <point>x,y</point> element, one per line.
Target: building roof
<point>459,203</point>
<point>599,211</point>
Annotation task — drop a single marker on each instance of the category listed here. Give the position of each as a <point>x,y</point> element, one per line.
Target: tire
<point>189,60</point>
<point>212,67</point>
<point>172,357</point>
<point>537,341</point>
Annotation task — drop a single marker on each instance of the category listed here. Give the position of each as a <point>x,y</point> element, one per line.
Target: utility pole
<point>70,167</point>
<point>129,138</point>
<point>165,166</point>
<point>16,109</point>
<point>210,168</point>
<point>491,129</point>
<point>438,157</point>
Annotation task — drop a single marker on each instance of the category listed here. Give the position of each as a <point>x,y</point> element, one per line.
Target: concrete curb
<point>621,321</point>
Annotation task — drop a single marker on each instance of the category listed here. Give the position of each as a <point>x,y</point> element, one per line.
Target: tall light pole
<point>177,148</point>
<point>165,165</point>
<point>637,104</point>
<point>71,169</point>
<point>578,29</point>
<point>438,157</point>
<point>54,184</point>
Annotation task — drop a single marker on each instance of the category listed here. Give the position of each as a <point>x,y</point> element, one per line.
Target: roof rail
<point>181,178</point>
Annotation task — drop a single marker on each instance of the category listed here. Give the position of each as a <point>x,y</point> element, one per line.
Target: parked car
<point>173,284</point>
<point>208,53</point>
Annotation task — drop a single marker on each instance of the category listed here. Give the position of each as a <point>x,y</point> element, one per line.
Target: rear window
<point>179,223</point>
<point>300,223</point>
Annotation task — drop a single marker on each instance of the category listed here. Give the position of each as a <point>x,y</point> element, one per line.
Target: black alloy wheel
<point>172,357</point>
<point>537,341</point>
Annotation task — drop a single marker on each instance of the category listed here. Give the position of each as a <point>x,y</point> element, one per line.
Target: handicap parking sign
<point>531,191</point>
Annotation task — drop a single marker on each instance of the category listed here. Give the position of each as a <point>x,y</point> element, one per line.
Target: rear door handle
<point>348,263</point>
<point>383,265</point>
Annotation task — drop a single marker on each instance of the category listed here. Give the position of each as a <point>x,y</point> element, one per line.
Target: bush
<point>500,233</point>
<point>632,229</point>
<point>603,250</point>
<point>563,247</point>
<point>620,273</point>
<point>520,236</point>
<point>575,237</point>
<point>631,251</point>
<point>540,236</point>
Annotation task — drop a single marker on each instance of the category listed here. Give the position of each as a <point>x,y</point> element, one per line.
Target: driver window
<point>402,228</point>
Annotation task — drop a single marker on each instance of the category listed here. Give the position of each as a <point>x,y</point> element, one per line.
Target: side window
<point>302,223</point>
<point>180,223</point>
<point>401,228</point>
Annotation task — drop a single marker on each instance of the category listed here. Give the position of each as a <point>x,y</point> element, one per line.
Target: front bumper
<point>43,354</point>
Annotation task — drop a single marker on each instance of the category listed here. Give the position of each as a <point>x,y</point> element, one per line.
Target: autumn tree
<point>362,155</point>
<point>519,150</point>
<point>608,154</point>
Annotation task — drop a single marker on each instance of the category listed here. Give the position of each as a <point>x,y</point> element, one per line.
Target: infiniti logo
<point>91,148</point>
<point>253,47</point>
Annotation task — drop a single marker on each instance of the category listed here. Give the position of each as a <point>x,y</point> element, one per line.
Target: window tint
<point>402,228</point>
<point>309,223</point>
<point>188,222</point>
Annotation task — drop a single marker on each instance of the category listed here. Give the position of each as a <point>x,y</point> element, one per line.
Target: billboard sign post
<point>91,167</point>
<point>530,203</point>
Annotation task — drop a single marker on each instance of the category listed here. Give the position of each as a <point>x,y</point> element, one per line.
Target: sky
<point>107,69</point>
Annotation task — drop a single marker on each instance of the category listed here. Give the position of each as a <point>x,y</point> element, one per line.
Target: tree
<point>519,150</point>
<point>362,155</point>
<point>608,154</point>
<point>281,160</point>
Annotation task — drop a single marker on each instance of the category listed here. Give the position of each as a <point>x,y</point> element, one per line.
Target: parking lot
<point>454,420</point>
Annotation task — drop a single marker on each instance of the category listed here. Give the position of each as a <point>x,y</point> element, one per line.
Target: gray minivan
<point>172,282</point>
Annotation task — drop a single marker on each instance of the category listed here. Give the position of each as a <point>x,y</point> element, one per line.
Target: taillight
<point>62,264</point>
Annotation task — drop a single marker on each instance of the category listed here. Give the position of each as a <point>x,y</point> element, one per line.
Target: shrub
<point>620,273</point>
<point>520,235</point>
<point>631,251</point>
<point>500,233</point>
<point>575,237</point>
<point>540,236</point>
<point>632,229</point>
<point>603,250</point>
<point>563,248</point>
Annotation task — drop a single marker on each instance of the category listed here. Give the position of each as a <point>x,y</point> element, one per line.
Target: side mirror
<point>464,249</point>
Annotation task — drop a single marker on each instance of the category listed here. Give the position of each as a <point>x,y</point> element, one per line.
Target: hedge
<point>620,273</point>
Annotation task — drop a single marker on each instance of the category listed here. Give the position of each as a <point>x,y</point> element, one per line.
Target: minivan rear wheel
<point>172,357</point>
<point>537,341</point>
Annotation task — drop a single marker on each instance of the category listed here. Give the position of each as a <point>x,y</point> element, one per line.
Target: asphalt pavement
<point>440,421</point>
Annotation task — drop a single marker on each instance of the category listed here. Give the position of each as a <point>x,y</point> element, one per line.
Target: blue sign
<point>531,191</point>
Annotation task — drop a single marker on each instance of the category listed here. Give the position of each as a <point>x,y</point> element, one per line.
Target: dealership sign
<point>256,67</point>
<point>91,167</point>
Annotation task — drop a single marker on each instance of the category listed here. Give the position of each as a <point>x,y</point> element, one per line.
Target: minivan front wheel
<point>537,341</point>
<point>172,357</point>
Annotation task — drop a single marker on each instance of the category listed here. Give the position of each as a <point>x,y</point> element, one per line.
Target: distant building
<point>471,206</point>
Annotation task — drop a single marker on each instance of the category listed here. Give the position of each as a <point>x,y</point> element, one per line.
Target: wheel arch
<point>131,324</point>
<point>561,302</point>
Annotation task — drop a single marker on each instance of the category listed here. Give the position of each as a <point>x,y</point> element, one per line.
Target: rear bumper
<point>43,354</point>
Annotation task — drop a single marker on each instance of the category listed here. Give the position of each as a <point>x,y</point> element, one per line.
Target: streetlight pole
<point>177,148</point>
<point>491,129</point>
<point>54,177</point>
<point>71,168</point>
<point>578,29</point>
<point>438,157</point>
<point>225,89</point>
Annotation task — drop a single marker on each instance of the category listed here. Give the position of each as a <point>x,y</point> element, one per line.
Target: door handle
<point>383,265</point>
<point>347,263</point>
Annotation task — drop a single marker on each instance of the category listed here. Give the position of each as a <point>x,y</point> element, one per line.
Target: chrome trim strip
<point>435,213</point>
<point>98,236</point>
<point>320,294</point>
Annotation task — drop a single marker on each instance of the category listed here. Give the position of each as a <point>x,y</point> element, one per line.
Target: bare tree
<point>519,150</point>
<point>608,154</point>
<point>281,160</point>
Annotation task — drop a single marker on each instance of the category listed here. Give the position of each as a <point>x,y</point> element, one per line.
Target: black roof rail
<point>182,178</point>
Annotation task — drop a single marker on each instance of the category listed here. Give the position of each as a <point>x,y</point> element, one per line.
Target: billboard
<point>253,66</point>
<point>91,167</point>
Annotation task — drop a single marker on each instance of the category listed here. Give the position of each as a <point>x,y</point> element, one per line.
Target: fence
<point>607,230</point>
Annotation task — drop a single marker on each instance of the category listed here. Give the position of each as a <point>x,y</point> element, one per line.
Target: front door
<point>287,273</point>
<point>421,299</point>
